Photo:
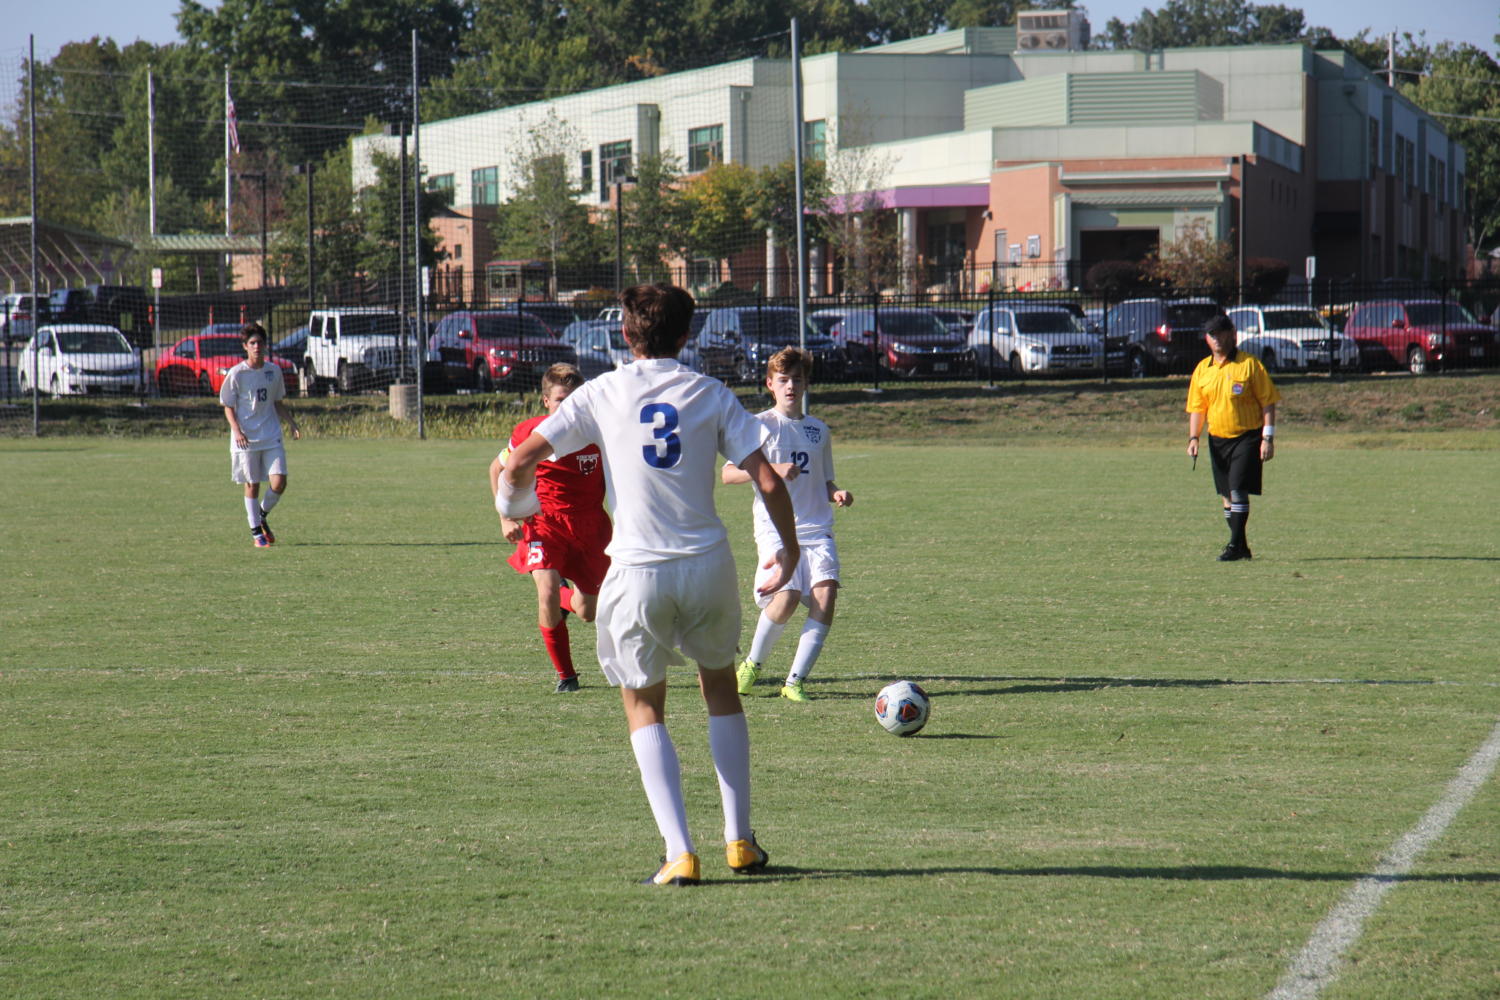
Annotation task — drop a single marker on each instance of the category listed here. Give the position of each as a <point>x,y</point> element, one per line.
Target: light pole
<point>621,179</point>
<point>306,169</point>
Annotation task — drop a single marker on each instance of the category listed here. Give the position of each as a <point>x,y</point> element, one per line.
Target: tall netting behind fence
<point>459,239</point>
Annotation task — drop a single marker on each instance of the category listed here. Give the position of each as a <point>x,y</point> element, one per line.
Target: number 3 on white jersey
<point>666,450</point>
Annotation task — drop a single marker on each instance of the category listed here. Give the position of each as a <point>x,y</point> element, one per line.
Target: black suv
<point>1161,334</point>
<point>122,306</point>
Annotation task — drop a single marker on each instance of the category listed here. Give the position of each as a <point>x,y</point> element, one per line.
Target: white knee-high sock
<point>766,634</point>
<point>661,776</point>
<point>252,512</point>
<point>808,648</point>
<point>268,500</point>
<point>729,742</point>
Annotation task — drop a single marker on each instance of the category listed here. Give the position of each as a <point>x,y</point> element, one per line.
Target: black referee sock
<point>1238,513</point>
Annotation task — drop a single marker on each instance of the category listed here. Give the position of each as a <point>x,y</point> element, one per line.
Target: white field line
<point>1322,958</point>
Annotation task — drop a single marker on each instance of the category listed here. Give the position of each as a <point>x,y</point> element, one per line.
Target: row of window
<point>705,148</point>
<point>1437,179</point>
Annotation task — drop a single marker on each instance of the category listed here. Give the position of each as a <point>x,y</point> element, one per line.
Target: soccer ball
<point>902,708</point>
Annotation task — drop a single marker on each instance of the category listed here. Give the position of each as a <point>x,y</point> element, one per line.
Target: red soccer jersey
<point>571,483</point>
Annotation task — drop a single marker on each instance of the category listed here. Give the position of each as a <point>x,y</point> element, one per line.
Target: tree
<point>544,220</point>
<point>337,235</point>
<point>1194,261</point>
<point>384,210</point>
<point>655,217</point>
<point>859,229</point>
<point>1181,23</point>
<point>719,203</point>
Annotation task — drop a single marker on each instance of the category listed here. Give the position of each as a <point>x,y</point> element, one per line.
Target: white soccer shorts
<point>819,562</point>
<point>648,613</point>
<point>257,466</point>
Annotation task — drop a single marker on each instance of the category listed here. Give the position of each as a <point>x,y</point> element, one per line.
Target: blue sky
<point>55,22</point>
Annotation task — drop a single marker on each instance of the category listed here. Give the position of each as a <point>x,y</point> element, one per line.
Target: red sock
<point>558,647</point>
<point>567,599</point>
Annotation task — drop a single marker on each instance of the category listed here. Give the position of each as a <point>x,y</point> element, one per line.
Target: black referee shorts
<point>1236,463</point>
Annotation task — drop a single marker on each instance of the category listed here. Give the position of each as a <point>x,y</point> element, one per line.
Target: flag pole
<point>228,111</point>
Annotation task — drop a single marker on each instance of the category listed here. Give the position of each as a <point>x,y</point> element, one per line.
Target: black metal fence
<point>140,351</point>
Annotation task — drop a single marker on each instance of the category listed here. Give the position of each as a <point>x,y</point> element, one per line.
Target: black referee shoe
<point>1234,553</point>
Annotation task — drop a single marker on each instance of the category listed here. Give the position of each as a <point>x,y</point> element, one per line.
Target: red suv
<point>1414,334</point>
<point>496,349</point>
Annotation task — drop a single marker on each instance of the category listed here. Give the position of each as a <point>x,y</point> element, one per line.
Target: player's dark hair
<point>656,318</point>
<point>251,330</point>
<point>791,360</point>
<point>1219,325</point>
<point>563,374</point>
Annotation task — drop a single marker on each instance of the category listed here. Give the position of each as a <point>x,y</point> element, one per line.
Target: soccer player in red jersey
<point>565,542</point>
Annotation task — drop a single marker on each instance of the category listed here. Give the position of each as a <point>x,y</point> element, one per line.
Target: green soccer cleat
<point>747,673</point>
<point>683,871</point>
<point>745,857</point>
<point>794,692</point>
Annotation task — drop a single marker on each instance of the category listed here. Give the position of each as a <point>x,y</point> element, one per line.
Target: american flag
<point>232,123</point>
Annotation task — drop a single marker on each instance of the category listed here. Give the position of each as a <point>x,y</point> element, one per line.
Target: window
<point>815,139</point>
<point>484,186</point>
<point>586,168</point>
<point>1374,147</point>
<point>442,186</point>
<point>458,251</point>
<point>614,165</point>
<point>705,147</point>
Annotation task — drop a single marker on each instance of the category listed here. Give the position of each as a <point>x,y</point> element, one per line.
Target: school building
<point>1021,155</point>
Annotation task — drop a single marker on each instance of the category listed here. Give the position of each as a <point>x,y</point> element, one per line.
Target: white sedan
<point>1287,338</point>
<point>69,359</point>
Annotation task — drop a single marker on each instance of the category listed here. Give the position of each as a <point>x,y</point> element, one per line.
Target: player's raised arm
<point>515,487</point>
<point>779,506</point>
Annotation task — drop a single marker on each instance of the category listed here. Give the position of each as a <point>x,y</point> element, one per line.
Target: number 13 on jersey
<point>666,449</point>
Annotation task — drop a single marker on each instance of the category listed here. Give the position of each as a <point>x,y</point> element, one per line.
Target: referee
<point>1232,396</point>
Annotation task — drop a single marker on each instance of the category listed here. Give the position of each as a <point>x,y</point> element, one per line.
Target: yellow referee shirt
<point>1231,396</point>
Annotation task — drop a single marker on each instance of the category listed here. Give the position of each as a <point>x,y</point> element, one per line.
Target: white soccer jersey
<point>662,428</point>
<point>805,443</point>
<point>253,393</point>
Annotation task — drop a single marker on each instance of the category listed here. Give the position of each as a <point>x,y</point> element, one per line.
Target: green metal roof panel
<point>1143,98</point>
<point>1169,198</point>
<point>1022,103</point>
<point>200,243</point>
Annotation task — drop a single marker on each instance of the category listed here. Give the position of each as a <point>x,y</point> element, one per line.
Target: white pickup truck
<point>357,349</point>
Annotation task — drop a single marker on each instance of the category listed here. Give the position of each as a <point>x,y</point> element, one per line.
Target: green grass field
<point>336,767</point>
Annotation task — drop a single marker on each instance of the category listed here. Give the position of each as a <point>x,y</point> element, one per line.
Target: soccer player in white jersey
<point>671,584</point>
<point>253,394</point>
<point>800,449</point>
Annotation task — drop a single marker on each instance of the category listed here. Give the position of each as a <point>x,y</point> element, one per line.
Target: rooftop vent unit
<point>1051,30</point>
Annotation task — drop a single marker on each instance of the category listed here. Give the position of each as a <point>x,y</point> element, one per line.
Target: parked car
<point>1414,334</point>
<point>957,320</point>
<point>753,333</point>
<point>72,359</point>
<point>1160,334</point>
<point>1292,338</point>
<point>18,315</point>
<point>125,307</point>
<point>293,346</point>
<point>197,365</point>
<point>824,320</point>
<point>600,345</point>
<point>1033,338</point>
<point>358,348</point>
<point>489,350</point>
<point>554,315</point>
<point>903,342</point>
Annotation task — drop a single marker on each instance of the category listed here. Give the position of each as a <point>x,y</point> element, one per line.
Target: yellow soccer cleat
<point>745,857</point>
<point>683,871</point>
<point>794,692</point>
<point>747,673</point>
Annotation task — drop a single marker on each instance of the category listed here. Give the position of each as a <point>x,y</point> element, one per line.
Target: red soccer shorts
<point>571,544</point>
